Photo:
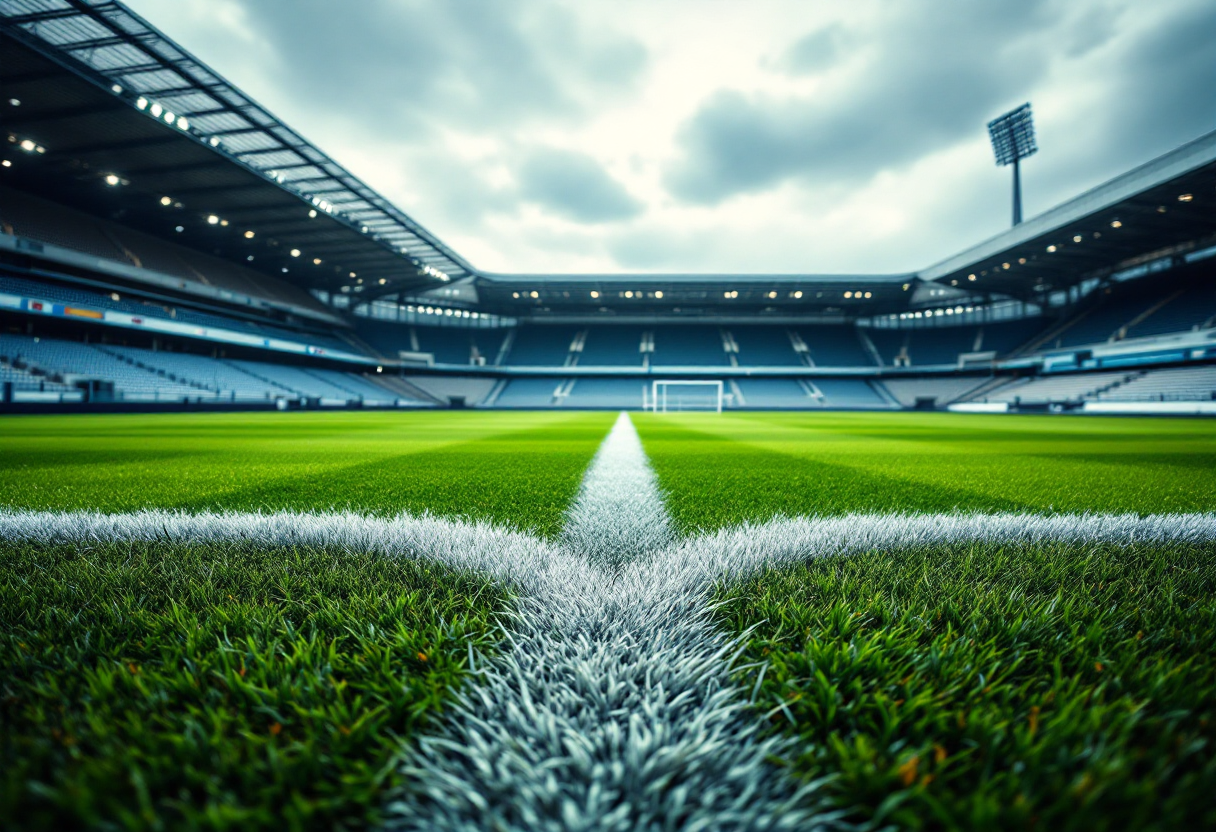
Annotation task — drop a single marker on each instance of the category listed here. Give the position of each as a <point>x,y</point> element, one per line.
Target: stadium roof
<point>107,94</point>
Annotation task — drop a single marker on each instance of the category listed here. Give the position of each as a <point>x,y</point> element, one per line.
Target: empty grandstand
<point>242,267</point>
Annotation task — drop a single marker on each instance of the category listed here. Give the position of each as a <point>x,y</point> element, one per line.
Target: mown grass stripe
<point>613,709</point>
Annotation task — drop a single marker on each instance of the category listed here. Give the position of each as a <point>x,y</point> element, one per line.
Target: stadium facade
<point>166,242</point>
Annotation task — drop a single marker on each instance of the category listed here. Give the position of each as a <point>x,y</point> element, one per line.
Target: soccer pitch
<point>462,620</point>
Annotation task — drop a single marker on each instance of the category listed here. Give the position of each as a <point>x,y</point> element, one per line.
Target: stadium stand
<point>131,304</point>
<point>39,219</point>
<point>612,346</point>
<point>941,391</point>
<point>443,388</point>
<point>765,346</point>
<point>688,346</point>
<point>779,393</point>
<point>542,346</point>
<point>606,393</point>
<point>847,392</point>
<point>1057,389</point>
<point>530,392</point>
<point>834,345</point>
<point>1192,384</point>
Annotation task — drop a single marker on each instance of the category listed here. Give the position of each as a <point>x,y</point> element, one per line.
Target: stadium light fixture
<point>183,123</point>
<point>249,235</point>
<point>312,212</point>
<point>212,219</point>
<point>166,201</point>
<point>595,294</point>
<point>316,261</point>
<point>1013,139</point>
<point>112,179</point>
<point>848,294</point>
<point>179,229</point>
<point>1116,224</point>
<point>156,109</point>
<point>141,103</point>
<point>295,252</point>
<point>28,145</point>
<point>6,163</point>
<point>1076,238</point>
<point>798,295</point>
<point>659,294</point>
<point>1185,197</point>
<point>1051,249</point>
<point>14,102</point>
<point>116,89</point>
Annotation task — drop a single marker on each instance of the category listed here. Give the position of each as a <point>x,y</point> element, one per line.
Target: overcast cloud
<point>714,135</point>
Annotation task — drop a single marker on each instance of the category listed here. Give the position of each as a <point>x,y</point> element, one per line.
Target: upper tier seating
<point>48,222</point>
<point>835,345</point>
<point>612,346</point>
<point>134,306</point>
<point>1062,388</point>
<point>542,346</point>
<point>764,346</point>
<point>689,345</point>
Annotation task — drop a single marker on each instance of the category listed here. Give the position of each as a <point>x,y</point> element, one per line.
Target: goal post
<point>686,395</point>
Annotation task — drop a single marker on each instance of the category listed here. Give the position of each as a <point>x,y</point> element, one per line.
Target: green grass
<point>990,687</point>
<point>720,470</point>
<point>157,686</point>
<point>518,469</point>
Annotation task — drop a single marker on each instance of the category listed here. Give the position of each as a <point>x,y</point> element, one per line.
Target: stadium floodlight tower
<point>1013,140</point>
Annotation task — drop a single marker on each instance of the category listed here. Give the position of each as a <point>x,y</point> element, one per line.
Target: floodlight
<point>1013,140</point>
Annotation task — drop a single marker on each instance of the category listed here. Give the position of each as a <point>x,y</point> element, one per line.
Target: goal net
<point>681,396</point>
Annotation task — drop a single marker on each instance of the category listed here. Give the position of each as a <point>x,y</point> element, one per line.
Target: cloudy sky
<point>714,135</point>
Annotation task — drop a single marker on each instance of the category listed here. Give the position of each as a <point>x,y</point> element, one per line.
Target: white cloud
<point>686,127</point>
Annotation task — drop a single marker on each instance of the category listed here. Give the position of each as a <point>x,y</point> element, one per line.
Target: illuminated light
<point>1097,234</point>
<point>248,235</point>
<point>141,103</point>
<point>179,229</point>
<point>848,294</point>
<point>1004,265</point>
<point>352,274</point>
<point>448,312</point>
<point>224,223</point>
<point>183,123</point>
<point>659,294</point>
<point>906,285</point>
<point>214,141</point>
<point>166,201</point>
<point>6,163</point>
<point>1051,249</point>
<point>595,294</point>
<point>115,296</point>
<point>285,272</point>
<point>515,295</point>
<point>1185,197</point>
<point>1022,261</point>
<point>312,213</point>
<point>295,252</point>
<point>15,102</point>
<point>1160,209</point>
<point>535,293</point>
<point>39,149</point>
<point>1076,238</point>
<point>316,261</point>
<point>379,369</point>
<point>772,295</point>
<point>111,179</point>
<point>798,294</point>
<point>212,219</point>
<point>116,88</point>
<point>630,294</point>
<point>170,118</point>
<point>28,146</point>
<point>867,294</point>
<point>948,312</point>
<point>249,258</point>
<point>1116,224</point>
<point>156,110</point>
<point>971,277</point>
